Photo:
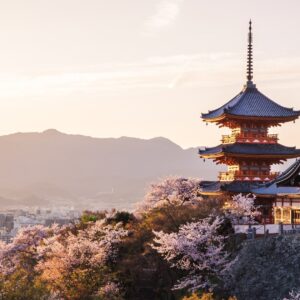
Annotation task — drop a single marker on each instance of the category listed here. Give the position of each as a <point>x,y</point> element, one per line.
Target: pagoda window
<point>296,214</point>
<point>278,214</point>
<point>286,215</point>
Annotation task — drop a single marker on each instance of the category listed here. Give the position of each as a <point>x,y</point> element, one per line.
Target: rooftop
<point>286,184</point>
<point>251,103</point>
<point>247,149</point>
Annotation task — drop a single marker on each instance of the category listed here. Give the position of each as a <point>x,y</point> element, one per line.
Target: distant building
<point>49,222</point>
<point>7,221</point>
<point>250,151</point>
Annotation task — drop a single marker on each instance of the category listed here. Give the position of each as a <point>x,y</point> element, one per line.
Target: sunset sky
<point>142,68</point>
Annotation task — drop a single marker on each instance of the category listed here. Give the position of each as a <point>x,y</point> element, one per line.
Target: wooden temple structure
<point>250,151</point>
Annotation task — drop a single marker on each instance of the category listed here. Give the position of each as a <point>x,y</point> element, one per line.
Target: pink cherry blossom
<point>242,209</point>
<point>24,245</point>
<point>85,249</point>
<point>196,248</point>
<point>294,295</point>
<point>110,290</point>
<point>176,191</point>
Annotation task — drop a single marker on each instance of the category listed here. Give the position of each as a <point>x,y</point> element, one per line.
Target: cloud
<point>166,13</point>
<point>154,72</point>
<point>165,72</point>
<point>159,72</point>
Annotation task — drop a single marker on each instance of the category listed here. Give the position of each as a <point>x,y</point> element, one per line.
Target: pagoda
<point>249,151</point>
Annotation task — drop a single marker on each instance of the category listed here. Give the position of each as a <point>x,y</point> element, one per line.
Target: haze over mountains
<point>56,169</point>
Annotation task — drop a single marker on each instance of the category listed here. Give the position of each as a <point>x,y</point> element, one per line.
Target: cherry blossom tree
<point>23,248</point>
<point>196,248</point>
<point>171,191</point>
<point>74,263</point>
<point>110,291</point>
<point>294,295</point>
<point>241,208</point>
<point>17,264</point>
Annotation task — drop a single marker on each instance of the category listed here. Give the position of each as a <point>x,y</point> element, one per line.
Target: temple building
<point>250,151</point>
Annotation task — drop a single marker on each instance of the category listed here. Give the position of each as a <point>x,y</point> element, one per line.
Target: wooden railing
<point>239,138</point>
<point>230,176</point>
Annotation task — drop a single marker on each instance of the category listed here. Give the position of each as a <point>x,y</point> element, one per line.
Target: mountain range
<point>53,169</point>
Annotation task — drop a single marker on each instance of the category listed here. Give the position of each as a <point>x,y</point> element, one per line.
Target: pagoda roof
<point>241,186</point>
<point>288,174</point>
<point>274,190</point>
<point>280,186</point>
<point>217,187</point>
<point>247,149</point>
<point>251,103</point>
<point>210,187</point>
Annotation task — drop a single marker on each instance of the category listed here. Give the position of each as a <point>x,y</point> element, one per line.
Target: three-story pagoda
<point>249,151</point>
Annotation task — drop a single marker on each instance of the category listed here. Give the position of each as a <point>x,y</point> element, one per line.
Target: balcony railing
<point>240,176</point>
<point>239,138</point>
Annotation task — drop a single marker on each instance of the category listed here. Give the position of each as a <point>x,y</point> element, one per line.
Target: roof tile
<point>252,103</point>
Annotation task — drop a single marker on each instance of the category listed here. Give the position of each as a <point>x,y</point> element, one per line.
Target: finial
<point>250,56</point>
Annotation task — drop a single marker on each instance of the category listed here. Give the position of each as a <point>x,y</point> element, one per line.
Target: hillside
<point>53,168</point>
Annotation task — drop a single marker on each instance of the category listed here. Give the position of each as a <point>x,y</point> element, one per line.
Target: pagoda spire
<point>250,57</point>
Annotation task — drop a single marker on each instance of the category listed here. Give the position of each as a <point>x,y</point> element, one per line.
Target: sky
<point>142,68</point>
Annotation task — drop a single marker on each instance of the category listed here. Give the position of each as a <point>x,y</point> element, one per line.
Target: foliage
<point>194,296</point>
<point>60,263</point>
<point>143,271</point>
<point>92,216</point>
<point>171,191</point>
<point>123,217</point>
<point>18,260</point>
<point>205,296</point>
<point>241,209</point>
<point>196,248</point>
<point>175,239</point>
<point>74,263</point>
<point>266,269</point>
<point>294,295</point>
<point>110,291</point>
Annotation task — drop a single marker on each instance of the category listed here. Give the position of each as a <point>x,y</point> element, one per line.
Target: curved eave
<point>287,174</point>
<point>226,154</point>
<point>251,118</point>
<point>218,193</point>
<point>212,155</point>
<point>285,195</point>
<point>290,196</point>
<point>264,195</point>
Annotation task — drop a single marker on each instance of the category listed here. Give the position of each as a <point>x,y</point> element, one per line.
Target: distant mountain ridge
<point>53,168</point>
